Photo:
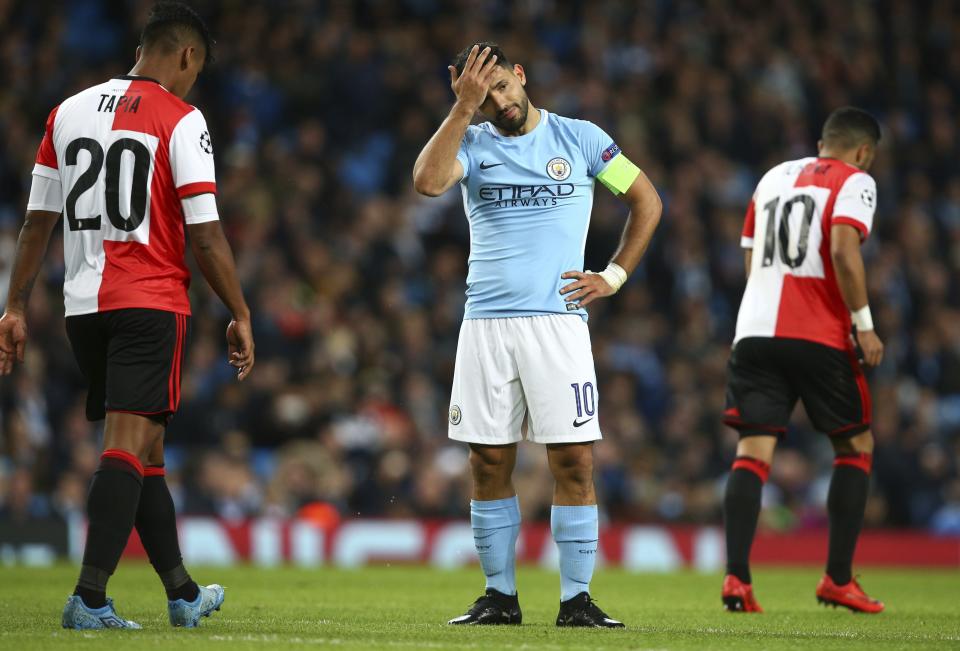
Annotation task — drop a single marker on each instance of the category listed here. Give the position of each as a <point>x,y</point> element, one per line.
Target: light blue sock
<point>575,530</point>
<point>496,525</point>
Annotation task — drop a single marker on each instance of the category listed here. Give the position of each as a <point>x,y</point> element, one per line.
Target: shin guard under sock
<point>741,510</point>
<point>156,523</point>
<point>111,509</point>
<point>846,502</point>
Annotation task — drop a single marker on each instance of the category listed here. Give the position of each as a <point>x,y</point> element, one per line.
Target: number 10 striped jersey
<point>124,154</point>
<point>792,290</point>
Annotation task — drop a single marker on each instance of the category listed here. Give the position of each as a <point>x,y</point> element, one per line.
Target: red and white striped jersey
<point>792,290</point>
<point>125,153</point>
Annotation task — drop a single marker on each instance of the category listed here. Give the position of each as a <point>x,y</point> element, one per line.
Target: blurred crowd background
<point>317,111</point>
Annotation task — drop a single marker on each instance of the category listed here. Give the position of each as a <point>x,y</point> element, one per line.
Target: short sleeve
<point>191,156</point>
<point>598,148</point>
<point>463,155</point>
<point>749,226</point>
<point>856,203</point>
<point>46,161</point>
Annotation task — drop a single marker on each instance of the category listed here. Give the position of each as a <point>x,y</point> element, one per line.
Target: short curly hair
<point>170,24</point>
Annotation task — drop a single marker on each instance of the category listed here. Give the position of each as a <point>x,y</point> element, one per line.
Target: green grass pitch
<point>406,607</point>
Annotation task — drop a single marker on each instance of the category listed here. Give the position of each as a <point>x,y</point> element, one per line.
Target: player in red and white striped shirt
<point>130,165</point>
<point>806,286</point>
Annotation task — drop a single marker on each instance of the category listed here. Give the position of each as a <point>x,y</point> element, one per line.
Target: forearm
<point>852,280</point>
<point>215,260</point>
<point>31,247</point>
<point>431,172</point>
<point>637,233</point>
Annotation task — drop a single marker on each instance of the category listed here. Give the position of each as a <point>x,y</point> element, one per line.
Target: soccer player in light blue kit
<point>524,362</point>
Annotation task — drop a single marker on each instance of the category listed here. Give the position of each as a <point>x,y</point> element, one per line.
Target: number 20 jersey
<point>125,153</point>
<point>792,290</point>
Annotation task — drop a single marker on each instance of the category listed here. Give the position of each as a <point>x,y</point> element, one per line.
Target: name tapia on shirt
<point>119,103</point>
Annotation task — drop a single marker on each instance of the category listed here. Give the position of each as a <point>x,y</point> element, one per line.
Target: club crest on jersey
<point>610,152</point>
<point>455,415</point>
<point>558,168</point>
<point>205,143</point>
<point>868,197</point>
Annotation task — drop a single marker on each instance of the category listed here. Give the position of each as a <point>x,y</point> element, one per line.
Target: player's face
<point>506,104</point>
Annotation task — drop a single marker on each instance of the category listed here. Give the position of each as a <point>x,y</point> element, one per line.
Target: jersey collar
<point>139,78</point>
<point>544,116</point>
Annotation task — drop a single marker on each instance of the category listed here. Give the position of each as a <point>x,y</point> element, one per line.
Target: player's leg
<point>156,524</point>
<point>114,488</point>
<point>741,501</point>
<point>495,514</point>
<point>132,360</point>
<point>111,509</point>
<point>486,411</point>
<point>759,402</point>
<point>573,517</point>
<point>847,501</point>
<point>837,399</point>
<point>559,381</point>
<point>575,527</point>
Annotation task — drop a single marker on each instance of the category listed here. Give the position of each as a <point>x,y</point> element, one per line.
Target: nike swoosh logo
<point>582,422</point>
<point>484,166</point>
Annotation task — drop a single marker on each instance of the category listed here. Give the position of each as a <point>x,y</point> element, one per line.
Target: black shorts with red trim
<point>767,375</point>
<point>132,360</point>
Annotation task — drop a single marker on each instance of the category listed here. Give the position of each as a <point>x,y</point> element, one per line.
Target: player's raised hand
<point>471,85</point>
<point>13,340</point>
<point>587,287</point>
<point>240,347</point>
<point>871,346</point>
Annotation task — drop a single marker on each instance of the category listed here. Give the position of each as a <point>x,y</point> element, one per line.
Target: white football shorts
<point>524,376</point>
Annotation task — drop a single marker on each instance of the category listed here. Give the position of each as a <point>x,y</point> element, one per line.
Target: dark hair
<point>170,24</point>
<point>849,127</point>
<point>461,59</point>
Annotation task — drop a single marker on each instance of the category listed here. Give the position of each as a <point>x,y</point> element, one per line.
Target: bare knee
<point>492,468</point>
<point>860,444</point>
<point>572,468</point>
<point>760,448</point>
<point>132,433</point>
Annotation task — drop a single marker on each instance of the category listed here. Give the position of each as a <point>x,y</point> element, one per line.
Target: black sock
<point>92,586</point>
<point>741,510</point>
<point>157,525</point>
<point>111,508</point>
<point>846,503</point>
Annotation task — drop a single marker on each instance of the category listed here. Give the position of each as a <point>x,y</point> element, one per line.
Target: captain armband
<point>619,174</point>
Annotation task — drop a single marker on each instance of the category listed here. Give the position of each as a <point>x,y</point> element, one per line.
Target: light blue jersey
<point>528,200</point>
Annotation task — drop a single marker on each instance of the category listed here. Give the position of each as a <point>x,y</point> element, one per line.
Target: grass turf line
<point>406,607</point>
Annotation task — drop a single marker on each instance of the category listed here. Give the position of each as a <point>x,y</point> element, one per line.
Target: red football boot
<point>738,596</point>
<point>849,596</point>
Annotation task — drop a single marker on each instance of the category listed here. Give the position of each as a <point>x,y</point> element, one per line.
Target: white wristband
<point>862,319</point>
<point>614,275</point>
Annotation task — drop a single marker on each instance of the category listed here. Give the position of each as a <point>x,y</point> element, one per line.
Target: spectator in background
<point>357,283</point>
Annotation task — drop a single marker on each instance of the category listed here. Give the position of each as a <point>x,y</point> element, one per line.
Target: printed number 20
<point>86,180</point>
<point>586,399</point>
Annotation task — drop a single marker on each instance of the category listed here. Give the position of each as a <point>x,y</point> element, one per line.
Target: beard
<point>514,124</point>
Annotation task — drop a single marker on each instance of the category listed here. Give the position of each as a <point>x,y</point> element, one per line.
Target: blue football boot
<point>78,616</point>
<point>188,613</point>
